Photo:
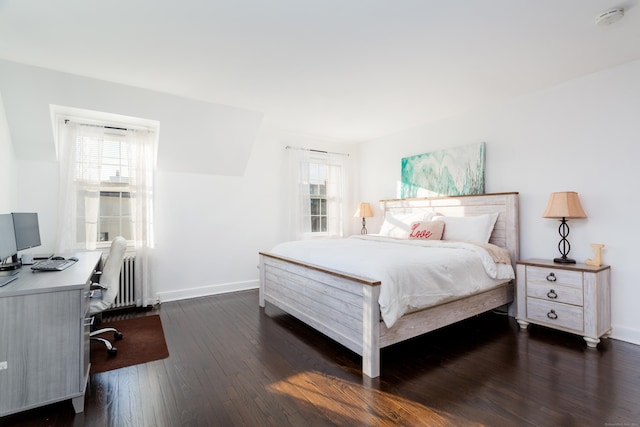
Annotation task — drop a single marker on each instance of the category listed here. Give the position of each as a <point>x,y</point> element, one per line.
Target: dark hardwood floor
<point>232,364</point>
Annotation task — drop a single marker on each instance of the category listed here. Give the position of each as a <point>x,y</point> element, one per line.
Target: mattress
<point>414,274</point>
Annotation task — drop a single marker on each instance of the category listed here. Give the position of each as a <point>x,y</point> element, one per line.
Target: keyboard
<point>53,265</point>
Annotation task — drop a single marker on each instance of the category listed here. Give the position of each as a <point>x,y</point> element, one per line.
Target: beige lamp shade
<point>564,204</point>
<point>364,211</point>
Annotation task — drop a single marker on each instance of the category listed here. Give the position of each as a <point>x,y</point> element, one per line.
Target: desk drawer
<point>555,314</point>
<point>556,293</point>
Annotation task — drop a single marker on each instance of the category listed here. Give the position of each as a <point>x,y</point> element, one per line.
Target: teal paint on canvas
<point>450,172</point>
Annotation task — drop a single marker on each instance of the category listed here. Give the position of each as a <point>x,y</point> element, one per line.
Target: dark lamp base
<point>564,260</point>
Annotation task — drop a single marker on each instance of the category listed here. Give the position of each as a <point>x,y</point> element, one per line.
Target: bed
<point>345,306</point>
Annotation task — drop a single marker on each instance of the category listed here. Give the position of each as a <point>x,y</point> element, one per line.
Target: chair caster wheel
<point>117,336</point>
<point>112,351</point>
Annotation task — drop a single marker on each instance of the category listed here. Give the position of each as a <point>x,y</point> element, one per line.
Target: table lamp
<point>364,211</point>
<point>564,205</point>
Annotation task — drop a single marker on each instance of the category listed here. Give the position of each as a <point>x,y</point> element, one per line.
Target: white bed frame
<point>345,307</point>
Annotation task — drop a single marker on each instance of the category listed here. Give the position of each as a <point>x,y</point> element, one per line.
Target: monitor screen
<point>27,230</point>
<point>8,246</point>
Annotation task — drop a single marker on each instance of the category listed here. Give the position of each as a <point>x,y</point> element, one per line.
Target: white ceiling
<point>346,69</point>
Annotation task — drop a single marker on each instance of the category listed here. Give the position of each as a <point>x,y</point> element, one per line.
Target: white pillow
<point>398,225</point>
<point>476,228</point>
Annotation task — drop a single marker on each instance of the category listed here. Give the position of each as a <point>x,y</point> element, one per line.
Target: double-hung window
<point>106,184</point>
<point>318,193</point>
<point>318,197</point>
<point>103,194</point>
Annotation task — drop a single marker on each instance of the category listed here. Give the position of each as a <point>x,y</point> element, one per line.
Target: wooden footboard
<point>344,308</point>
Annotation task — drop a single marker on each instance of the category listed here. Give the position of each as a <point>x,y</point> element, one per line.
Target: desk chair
<point>105,291</point>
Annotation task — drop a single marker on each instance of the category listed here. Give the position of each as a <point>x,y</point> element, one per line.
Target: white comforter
<point>414,273</point>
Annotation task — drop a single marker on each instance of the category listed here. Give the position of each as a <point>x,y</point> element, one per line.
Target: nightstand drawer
<point>555,314</point>
<point>555,293</point>
<point>554,276</point>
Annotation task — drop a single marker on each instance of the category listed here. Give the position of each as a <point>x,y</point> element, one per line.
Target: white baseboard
<point>629,335</point>
<point>207,290</point>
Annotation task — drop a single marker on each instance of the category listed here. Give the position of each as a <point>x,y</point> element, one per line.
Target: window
<point>318,197</point>
<point>107,173</point>
<point>317,193</point>
<point>102,173</point>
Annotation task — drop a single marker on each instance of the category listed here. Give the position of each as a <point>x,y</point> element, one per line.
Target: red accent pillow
<point>426,230</point>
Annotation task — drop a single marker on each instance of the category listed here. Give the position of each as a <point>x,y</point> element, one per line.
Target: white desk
<point>44,336</point>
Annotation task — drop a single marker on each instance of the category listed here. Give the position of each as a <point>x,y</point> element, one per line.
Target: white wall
<point>196,136</point>
<point>7,163</point>
<point>211,228</point>
<point>579,136</point>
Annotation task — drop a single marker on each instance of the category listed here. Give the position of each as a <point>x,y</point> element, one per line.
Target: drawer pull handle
<point>551,277</point>
<point>552,294</point>
<point>552,315</point>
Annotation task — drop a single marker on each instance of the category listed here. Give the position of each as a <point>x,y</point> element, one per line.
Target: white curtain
<point>142,152</point>
<point>336,194</point>
<point>300,192</point>
<point>79,191</point>
<point>79,185</point>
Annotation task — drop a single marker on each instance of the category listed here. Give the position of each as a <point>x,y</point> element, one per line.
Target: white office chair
<point>105,291</point>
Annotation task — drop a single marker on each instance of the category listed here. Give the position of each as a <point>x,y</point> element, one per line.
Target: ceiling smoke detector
<point>609,17</point>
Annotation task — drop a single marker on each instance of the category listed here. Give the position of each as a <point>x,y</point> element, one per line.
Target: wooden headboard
<point>506,231</point>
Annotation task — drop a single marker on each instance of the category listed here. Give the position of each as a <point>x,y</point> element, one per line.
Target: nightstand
<point>574,298</point>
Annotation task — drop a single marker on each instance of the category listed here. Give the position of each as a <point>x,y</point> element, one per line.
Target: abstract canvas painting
<point>453,171</point>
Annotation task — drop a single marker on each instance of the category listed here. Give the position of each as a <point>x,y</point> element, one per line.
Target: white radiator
<point>126,294</point>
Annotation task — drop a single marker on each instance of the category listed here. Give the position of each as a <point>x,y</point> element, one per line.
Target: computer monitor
<point>27,230</point>
<point>8,246</point>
